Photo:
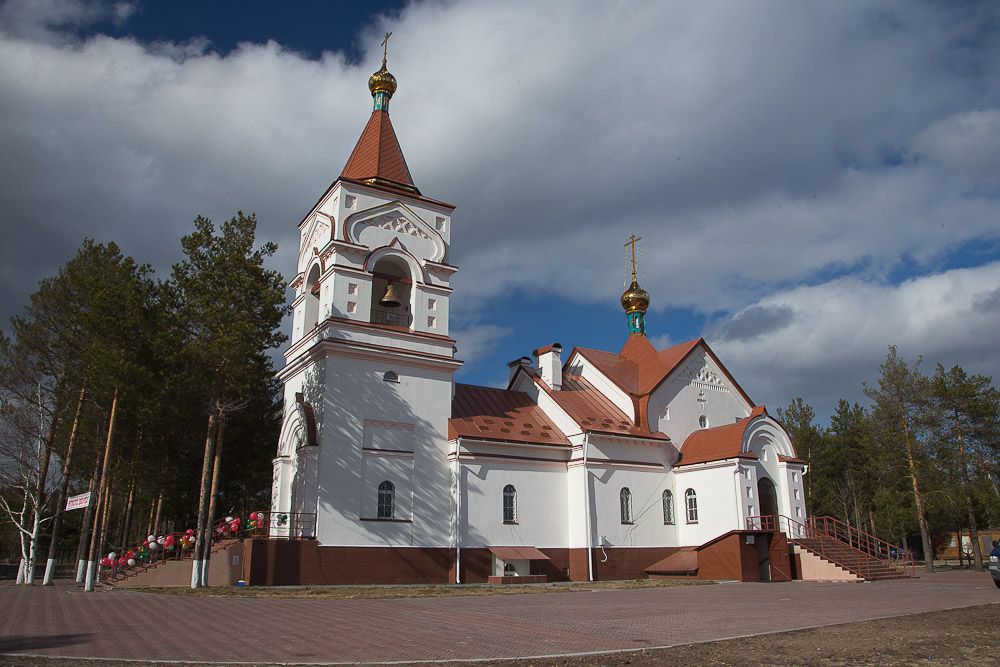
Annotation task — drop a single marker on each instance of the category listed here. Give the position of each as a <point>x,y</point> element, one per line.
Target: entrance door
<point>763,556</point>
<point>768,497</point>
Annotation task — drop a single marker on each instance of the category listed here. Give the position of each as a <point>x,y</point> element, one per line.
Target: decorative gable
<point>395,223</point>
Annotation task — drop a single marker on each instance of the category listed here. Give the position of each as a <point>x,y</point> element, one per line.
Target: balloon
<point>229,519</point>
<point>122,561</point>
<point>237,520</point>
<point>190,531</point>
<point>151,538</point>
<point>130,554</point>
<point>145,543</point>
<point>234,526</point>
<point>169,547</point>
<point>112,555</point>
<point>131,562</point>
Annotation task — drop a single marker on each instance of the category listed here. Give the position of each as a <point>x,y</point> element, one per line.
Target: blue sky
<point>812,181</point>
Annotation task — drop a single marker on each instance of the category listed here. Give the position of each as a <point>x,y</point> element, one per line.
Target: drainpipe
<point>586,495</point>
<point>458,516</point>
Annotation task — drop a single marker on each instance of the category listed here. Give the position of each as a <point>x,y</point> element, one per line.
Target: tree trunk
<point>61,496</point>
<point>127,520</point>
<point>156,517</point>
<point>103,496</point>
<point>88,519</point>
<point>212,497</point>
<point>206,473</point>
<point>38,494</point>
<point>977,552</point>
<point>918,501</point>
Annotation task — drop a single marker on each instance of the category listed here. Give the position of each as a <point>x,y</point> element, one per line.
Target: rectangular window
<point>795,493</point>
<point>352,307</point>
<point>431,321</point>
<point>798,512</point>
<point>432,304</point>
<point>795,476</point>
<point>750,510</point>
<point>747,473</point>
<point>749,492</point>
<point>352,288</point>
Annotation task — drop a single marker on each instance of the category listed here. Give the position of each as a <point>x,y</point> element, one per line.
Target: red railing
<point>849,547</point>
<point>268,525</point>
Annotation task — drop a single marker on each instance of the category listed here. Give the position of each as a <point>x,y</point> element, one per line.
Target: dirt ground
<point>967,636</point>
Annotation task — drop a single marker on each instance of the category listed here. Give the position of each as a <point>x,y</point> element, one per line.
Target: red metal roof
<point>639,368</point>
<point>518,553</point>
<point>487,413</point>
<point>684,561</point>
<point>377,156</point>
<point>595,412</point>
<point>718,443</point>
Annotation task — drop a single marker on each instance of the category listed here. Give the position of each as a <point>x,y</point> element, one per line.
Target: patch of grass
<point>415,591</point>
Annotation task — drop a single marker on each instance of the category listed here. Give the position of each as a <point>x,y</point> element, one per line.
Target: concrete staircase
<point>853,560</point>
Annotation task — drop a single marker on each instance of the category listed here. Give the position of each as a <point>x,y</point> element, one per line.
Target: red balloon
<point>190,531</point>
<point>129,554</point>
<point>122,561</point>
<point>237,521</point>
<point>145,543</point>
<point>234,526</point>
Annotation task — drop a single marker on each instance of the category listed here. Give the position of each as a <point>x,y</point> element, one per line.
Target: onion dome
<point>382,82</point>
<point>635,299</point>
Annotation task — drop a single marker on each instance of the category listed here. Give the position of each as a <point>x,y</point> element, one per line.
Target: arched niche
<point>311,314</point>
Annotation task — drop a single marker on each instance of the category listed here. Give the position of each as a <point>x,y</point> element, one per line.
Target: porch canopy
<point>518,553</point>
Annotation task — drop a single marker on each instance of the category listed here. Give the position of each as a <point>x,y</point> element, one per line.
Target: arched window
<point>386,500</point>
<point>626,500</point>
<point>691,503</point>
<point>703,421</point>
<point>668,508</point>
<point>390,376</point>
<point>509,504</point>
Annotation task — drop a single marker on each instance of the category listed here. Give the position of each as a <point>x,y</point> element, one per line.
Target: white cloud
<point>753,146</point>
<point>828,338</point>
<point>475,341</point>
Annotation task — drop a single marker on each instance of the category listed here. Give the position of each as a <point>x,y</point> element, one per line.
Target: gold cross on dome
<point>385,47</point>
<point>632,240</point>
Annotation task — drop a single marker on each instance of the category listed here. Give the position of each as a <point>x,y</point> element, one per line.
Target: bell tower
<point>370,361</point>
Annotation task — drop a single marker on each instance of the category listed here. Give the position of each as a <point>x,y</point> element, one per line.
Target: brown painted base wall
<point>304,562</point>
<point>729,557</point>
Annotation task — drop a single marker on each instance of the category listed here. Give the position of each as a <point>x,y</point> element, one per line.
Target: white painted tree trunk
<point>195,573</point>
<point>50,569</point>
<point>20,572</point>
<point>81,566</point>
<point>88,584</point>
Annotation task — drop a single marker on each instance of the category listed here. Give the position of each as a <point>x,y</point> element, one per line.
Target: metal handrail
<point>832,533</point>
<point>285,526</point>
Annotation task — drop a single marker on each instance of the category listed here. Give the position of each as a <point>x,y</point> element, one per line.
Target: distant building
<point>589,464</point>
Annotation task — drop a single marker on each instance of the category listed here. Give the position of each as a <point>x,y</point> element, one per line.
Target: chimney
<point>550,364</point>
<point>516,364</point>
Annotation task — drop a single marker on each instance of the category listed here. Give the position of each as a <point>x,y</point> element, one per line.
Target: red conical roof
<point>377,158</point>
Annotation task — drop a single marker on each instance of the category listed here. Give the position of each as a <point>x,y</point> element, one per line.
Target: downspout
<point>586,495</point>
<point>458,516</point>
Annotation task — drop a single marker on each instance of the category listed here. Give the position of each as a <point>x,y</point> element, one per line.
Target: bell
<point>390,299</point>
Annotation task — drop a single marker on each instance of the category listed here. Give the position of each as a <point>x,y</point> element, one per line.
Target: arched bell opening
<point>391,289</point>
<point>312,299</point>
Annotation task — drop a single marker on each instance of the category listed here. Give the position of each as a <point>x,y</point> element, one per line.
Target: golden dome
<point>382,82</point>
<point>635,299</point>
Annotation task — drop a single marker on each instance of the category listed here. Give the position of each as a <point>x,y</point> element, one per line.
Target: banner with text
<point>76,502</point>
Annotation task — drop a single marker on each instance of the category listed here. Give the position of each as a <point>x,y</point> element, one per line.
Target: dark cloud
<point>756,321</point>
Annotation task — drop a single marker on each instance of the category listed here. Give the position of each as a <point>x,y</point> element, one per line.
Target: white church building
<point>590,464</point>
